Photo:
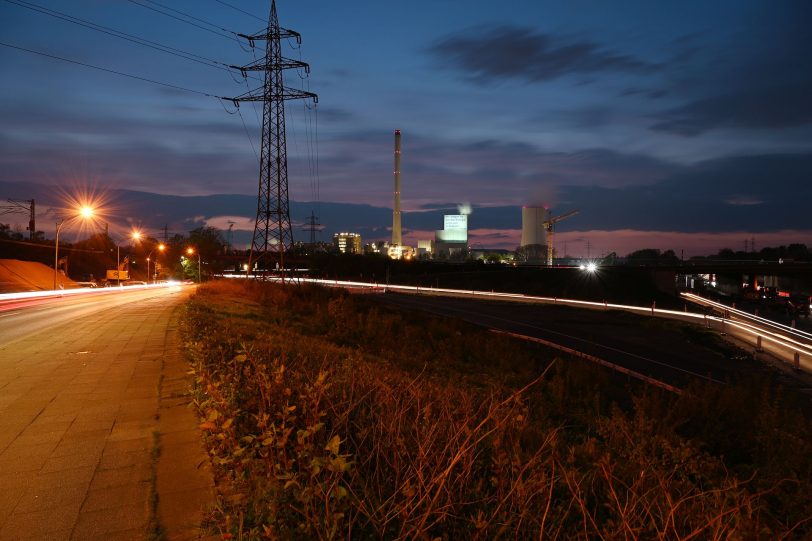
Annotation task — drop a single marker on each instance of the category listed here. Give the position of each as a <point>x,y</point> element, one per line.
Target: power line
<point>187,15</point>
<point>187,22</point>
<point>241,10</point>
<point>137,77</point>
<point>186,55</point>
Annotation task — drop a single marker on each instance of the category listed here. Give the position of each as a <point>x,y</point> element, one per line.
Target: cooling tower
<point>533,226</point>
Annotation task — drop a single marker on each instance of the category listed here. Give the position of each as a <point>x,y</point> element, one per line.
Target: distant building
<point>377,247</point>
<point>401,252</point>
<point>453,238</point>
<point>348,243</point>
<point>425,248</point>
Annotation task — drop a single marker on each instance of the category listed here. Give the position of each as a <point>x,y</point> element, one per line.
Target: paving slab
<point>80,408</point>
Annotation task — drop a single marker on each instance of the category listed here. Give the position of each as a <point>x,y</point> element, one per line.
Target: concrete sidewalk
<point>94,424</point>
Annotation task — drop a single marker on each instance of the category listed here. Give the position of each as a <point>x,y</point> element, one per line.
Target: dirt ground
<point>17,276</point>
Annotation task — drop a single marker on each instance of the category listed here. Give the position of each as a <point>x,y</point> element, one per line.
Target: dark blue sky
<point>660,120</point>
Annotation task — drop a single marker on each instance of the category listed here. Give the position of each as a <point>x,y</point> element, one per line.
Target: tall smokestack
<point>396,231</point>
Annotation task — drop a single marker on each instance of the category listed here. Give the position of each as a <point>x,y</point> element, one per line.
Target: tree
<point>531,253</point>
<point>7,233</point>
<point>646,256</point>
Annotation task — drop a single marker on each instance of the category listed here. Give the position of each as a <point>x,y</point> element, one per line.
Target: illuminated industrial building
<point>425,248</point>
<point>453,238</point>
<point>348,243</point>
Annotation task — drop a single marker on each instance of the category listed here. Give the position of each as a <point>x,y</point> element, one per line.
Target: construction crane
<point>548,227</point>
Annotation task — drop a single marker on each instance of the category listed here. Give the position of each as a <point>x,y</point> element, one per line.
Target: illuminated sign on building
<point>455,222</point>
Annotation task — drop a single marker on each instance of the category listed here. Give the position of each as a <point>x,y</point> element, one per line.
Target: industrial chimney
<point>396,230</point>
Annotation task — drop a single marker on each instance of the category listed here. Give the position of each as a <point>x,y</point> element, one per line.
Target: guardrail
<point>785,343</point>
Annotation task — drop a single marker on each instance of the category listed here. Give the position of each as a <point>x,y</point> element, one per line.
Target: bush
<point>329,417</point>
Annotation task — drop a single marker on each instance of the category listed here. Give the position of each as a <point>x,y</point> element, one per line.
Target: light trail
<point>13,300</point>
<point>789,342</point>
<point>786,328</point>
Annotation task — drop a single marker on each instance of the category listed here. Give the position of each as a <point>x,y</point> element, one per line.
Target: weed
<point>327,417</point>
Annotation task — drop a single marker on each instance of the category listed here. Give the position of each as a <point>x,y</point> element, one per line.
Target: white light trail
<point>769,335</point>
<point>79,291</point>
<point>742,313</point>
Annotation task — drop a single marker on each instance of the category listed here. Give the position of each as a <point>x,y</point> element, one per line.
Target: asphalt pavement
<point>651,347</point>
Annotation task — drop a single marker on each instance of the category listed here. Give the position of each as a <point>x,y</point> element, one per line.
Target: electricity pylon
<point>272,231</point>
<point>24,205</point>
<point>312,227</point>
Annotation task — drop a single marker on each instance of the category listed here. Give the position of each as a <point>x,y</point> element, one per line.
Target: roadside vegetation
<point>328,416</point>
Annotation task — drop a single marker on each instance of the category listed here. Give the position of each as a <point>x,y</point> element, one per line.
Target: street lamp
<point>161,248</point>
<point>135,235</point>
<point>85,212</point>
<point>191,251</point>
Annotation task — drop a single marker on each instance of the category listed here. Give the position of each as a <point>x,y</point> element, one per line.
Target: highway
<point>661,352</point>
<point>791,347</point>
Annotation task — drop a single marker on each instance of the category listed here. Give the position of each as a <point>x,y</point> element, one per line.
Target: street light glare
<point>190,251</point>
<point>162,247</point>
<point>591,267</point>
<point>136,235</point>
<point>86,212</point>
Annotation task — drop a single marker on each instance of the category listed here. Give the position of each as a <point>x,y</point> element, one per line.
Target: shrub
<point>323,422</point>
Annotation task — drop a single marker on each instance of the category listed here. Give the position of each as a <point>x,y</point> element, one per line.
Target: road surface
<point>91,386</point>
<point>659,351</point>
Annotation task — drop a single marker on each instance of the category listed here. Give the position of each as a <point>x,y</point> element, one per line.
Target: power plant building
<point>453,237</point>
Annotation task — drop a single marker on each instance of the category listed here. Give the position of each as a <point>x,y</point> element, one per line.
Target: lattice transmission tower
<point>22,205</point>
<point>313,227</point>
<point>272,231</point>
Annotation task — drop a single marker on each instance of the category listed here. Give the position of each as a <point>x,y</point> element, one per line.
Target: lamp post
<point>161,248</point>
<point>191,251</point>
<point>135,235</point>
<point>84,212</point>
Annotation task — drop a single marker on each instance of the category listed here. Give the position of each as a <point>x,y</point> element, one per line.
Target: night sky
<point>683,125</point>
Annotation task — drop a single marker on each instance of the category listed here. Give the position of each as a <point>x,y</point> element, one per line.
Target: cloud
<point>653,94</point>
<point>781,106</point>
<point>598,243</point>
<point>490,54</point>
<point>744,200</point>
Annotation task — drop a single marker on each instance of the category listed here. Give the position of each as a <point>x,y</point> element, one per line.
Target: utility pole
<point>22,205</point>
<point>312,227</point>
<point>272,231</point>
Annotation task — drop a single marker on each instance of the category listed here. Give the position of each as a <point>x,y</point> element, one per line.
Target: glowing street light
<point>134,235</point>
<point>84,212</point>
<point>161,248</point>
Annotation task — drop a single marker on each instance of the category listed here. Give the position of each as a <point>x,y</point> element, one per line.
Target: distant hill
<point>181,214</point>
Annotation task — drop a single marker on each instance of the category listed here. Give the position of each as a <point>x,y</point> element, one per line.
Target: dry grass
<point>322,426</point>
